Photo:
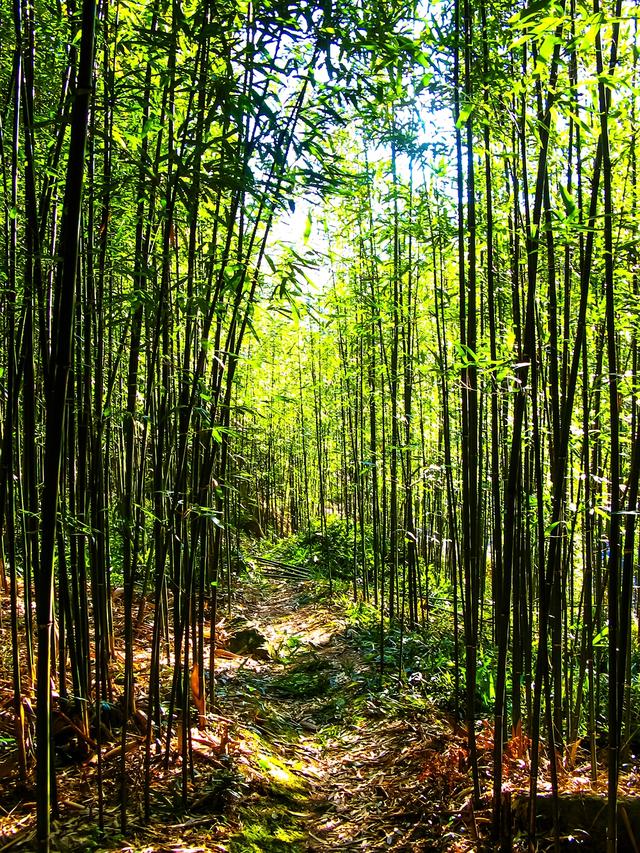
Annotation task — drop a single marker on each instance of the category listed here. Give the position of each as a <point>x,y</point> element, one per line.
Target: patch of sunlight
<point>269,830</point>
<point>288,836</point>
<point>279,773</point>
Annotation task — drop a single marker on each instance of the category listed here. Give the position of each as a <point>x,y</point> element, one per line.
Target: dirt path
<point>332,763</point>
<point>302,752</point>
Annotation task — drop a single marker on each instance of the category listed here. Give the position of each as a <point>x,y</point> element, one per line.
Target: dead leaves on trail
<point>380,774</point>
<point>303,753</point>
<point>394,784</point>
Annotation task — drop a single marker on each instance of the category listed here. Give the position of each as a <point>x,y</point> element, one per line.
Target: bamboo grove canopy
<point>265,264</point>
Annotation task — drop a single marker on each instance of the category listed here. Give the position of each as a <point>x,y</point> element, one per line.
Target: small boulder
<point>249,641</point>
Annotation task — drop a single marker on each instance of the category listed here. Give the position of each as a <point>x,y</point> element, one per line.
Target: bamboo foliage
<point>516,288</point>
<point>124,314</point>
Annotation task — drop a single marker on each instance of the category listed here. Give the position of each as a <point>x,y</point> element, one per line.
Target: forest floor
<point>305,751</point>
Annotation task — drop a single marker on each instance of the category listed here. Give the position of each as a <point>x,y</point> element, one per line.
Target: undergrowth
<point>422,656</point>
<point>327,553</point>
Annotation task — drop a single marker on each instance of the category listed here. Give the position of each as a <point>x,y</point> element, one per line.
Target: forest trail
<point>304,751</point>
<point>336,763</point>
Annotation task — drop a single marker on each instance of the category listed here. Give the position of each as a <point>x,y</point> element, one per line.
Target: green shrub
<point>328,554</point>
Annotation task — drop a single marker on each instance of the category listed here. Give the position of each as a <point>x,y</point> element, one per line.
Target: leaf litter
<point>303,751</point>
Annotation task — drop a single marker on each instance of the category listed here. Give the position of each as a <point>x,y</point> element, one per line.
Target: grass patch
<point>269,830</point>
<point>279,775</point>
<point>302,685</point>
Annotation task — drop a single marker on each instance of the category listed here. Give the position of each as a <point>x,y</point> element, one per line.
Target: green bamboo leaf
<point>465,115</point>
<point>570,206</point>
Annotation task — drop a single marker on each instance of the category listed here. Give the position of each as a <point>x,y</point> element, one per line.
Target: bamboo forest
<point>319,425</point>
